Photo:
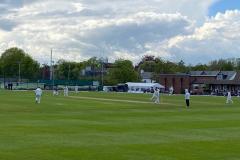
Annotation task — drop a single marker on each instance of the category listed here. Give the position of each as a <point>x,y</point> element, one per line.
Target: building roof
<point>211,73</point>
<point>225,77</point>
<point>230,75</point>
<point>234,79</point>
<point>204,73</point>
<point>237,76</point>
<point>176,74</point>
<point>195,73</point>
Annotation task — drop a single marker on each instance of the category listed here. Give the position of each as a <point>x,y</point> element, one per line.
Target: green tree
<point>221,64</point>
<point>158,65</point>
<point>238,66</point>
<point>151,64</point>
<point>181,67</point>
<point>122,72</point>
<point>14,59</point>
<point>199,67</point>
<point>1,69</point>
<point>68,70</point>
<point>93,62</point>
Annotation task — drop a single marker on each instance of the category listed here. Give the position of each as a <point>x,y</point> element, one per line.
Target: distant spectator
<point>229,97</point>
<point>65,90</point>
<point>187,98</point>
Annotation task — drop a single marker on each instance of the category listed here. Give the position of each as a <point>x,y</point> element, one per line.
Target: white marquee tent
<point>141,87</point>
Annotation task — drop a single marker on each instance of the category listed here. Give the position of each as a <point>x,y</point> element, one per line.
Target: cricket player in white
<point>229,98</point>
<point>171,91</point>
<point>157,101</point>
<point>76,89</point>
<point>187,98</point>
<point>55,92</point>
<point>65,91</point>
<point>156,96</point>
<point>38,94</point>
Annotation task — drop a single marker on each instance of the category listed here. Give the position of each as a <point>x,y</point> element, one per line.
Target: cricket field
<point>117,126</point>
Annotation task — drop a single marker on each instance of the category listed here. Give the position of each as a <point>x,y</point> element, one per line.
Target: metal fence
<point>49,85</point>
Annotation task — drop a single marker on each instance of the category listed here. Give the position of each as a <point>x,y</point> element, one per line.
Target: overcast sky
<point>195,31</point>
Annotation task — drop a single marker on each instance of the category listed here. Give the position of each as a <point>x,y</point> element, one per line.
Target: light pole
<point>53,74</point>
<point>102,61</point>
<point>102,73</point>
<point>51,66</point>
<point>52,69</point>
<point>68,72</point>
<point>19,71</point>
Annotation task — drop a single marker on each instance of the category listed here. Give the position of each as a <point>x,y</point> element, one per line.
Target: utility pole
<point>53,75</point>
<point>52,70</point>
<point>19,72</point>
<point>68,72</point>
<point>102,72</point>
<point>51,67</point>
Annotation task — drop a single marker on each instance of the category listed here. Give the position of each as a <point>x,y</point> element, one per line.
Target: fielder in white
<point>38,95</point>
<point>156,96</point>
<point>157,101</point>
<point>229,98</point>
<point>76,89</point>
<point>187,98</point>
<point>55,92</point>
<point>65,91</point>
<point>171,91</point>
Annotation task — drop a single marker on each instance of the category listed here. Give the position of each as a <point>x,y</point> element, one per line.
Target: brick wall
<point>182,82</point>
<point>179,82</point>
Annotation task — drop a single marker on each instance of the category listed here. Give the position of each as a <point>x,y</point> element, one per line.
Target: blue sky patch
<point>224,5</point>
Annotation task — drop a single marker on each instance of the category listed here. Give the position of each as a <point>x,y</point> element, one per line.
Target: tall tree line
<point>158,65</point>
<point>15,61</point>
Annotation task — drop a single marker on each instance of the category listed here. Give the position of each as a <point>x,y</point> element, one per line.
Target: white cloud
<point>219,37</point>
<point>79,29</point>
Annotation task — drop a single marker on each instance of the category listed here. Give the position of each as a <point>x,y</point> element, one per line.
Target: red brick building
<point>179,82</point>
<point>201,82</point>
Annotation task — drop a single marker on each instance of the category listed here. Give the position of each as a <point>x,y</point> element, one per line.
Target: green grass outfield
<point>105,126</point>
